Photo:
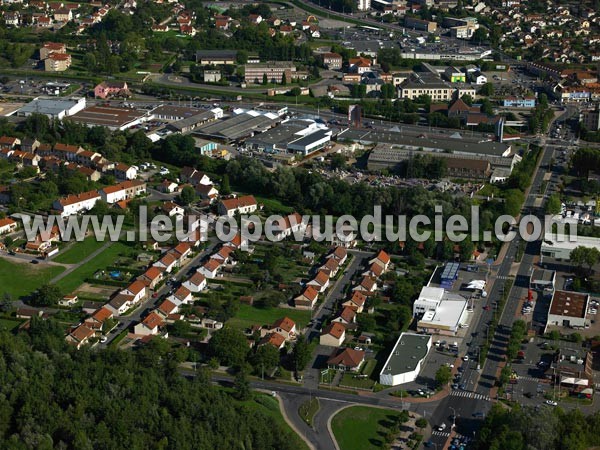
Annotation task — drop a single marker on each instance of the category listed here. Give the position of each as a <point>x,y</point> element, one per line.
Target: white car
<point>551,403</point>
<point>103,339</point>
<point>466,358</point>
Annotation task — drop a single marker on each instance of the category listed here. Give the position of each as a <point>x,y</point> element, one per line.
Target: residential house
<point>331,267</point>
<point>7,225</point>
<point>274,339</point>
<point>30,144</point>
<point>210,268</point>
<point>76,203</point>
<point>123,191</point>
<point>86,157</point>
<point>57,62</point>
<point>125,172</point>
<point>172,209</point>
<point>97,319</point>
<point>288,226</point>
<point>307,299</point>
<point>196,283</point>
<point>367,284</point>
<point>137,290</point>
<point>244,205</point>
<point>340,254</point>
<point>333,335</point>
<point>374,271</point>
<point>193,176</point>
<point>182,251</point>
<point>167,262</point>
<point>360,65</point>
<point>346,359</point>
<point>111,89</point>
<point>152,277</point>
<point>285,327</point>
<point>333,61</point>
<point>356,302</point>
<point>182,296</point>
<point>68,300</point>
<point>168,187</point>
<point>167,308</point>
<point>151,325</point>
<point>66,152</point>
<point>347,317</point>
<point>207,192</point>
<point>9,142</point>
<point>223,256</point>
<point>320,282</point>
<point>382,259</point>
<point>80,336</point>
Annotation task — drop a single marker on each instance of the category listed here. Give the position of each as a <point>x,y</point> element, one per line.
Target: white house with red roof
<point>210,269</point>
<point>245,204</point>
<point>137,290</point>
<point>196,282</point>
<point>151,325</point>
<point>382,259</point>
<point>290,225</point>
<point>285,327</point>
<point>7,225</point>
<point>340,254</point>
<point>152,276</point>
<point>167,262</point>
<point>307,299</point>
<point>182,296</point>
<point>320,282</point>
<point>76,203</point>
<point>123,191</point>
<point>333,335</point>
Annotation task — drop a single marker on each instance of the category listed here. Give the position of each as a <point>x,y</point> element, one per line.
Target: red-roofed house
<point>307,299</point>
<point>274,339</point>
<point>244,205</point>
<point>345,359</point>
<point>137,290</point>
<point>76,203</point>
<point>168,262</point>
<point>151,325</point>
<point>367,284</point>
<point>210,268</point>
<point>152,276</point>
<point>80,336</point>
<point>346,317</point>
<point>382,259</point>
<point>356,302</point>
<point>340,254</point>
<point>7,225</point>
<point>196,283</point>
<point>333,335</point>
<point>285,327</point>
<point>320,282</point>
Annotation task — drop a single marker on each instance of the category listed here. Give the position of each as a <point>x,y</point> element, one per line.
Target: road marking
<point>441,433</point>
<point>469,394</point>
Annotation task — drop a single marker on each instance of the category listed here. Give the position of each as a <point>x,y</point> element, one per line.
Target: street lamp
<point>453,417</point>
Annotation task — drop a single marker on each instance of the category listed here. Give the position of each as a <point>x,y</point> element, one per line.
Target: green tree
<point>421,423</point>
<point>283,79</point>
<point>487,89</point>
<point>295,91</point>
<point>443,375</point>
<point>225,187</point>
<point>301,353</point>
<point>229,346</point>
<point>585,256</point>
<point>187,195</point>
<point>265,359</point>
<point>241,386</point>
<point>553,206</point>
<point>46,295</point>
<point>265,80</point>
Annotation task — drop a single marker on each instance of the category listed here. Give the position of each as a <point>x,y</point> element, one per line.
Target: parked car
<point>551,403</point>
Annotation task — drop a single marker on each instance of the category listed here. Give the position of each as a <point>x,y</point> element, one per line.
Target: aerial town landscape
<point>168,173</point>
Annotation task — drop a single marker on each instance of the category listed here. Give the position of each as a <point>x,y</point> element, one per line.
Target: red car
<point>486,308</point>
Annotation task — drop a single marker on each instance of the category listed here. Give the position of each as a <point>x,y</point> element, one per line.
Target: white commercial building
<point>442,312</point>
<point>364,5</point>
<point>560,246</point>
<point>404,363</point>
<point>568,309</point>
<point>52,107</point>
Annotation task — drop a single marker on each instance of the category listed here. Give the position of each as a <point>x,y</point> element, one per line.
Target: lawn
<point>9,324</point>
<point>19,279</point>
<point>352,380</point>
<point>270,407</point>
<point>251,315</point>
<point>87,270</point>
<point>308,409</point>
<point>79,250</point>
<point>362,427</point>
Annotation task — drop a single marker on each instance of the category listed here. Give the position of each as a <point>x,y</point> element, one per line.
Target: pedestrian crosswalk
<point>504,277</point>
<point>469,394</point>
<point>529,379</point>
<point>440,433</point>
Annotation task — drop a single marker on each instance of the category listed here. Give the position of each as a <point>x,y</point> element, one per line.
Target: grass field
<point>270,406</point>
<point>19,279</point>
<point>9,325</point>
<point>106,258</point>
<point>251,315</point>
<point>78,251</point>
<point>361,427</point>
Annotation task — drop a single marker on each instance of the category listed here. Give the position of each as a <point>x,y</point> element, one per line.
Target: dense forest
<point>541,428</point>
<point>54,397</point>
